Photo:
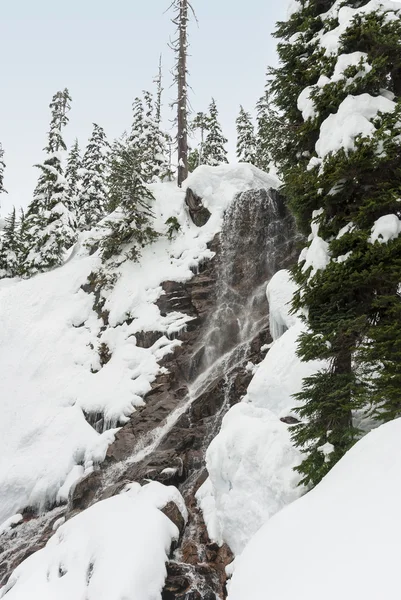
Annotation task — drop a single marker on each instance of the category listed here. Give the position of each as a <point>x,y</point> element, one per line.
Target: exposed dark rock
<point>146,339</point>
<point>95,420</point>
<point>35,531</point>
<point>199,213</point>
<point>289,420</point>
<point>172,511</point>
<point>84,492</point>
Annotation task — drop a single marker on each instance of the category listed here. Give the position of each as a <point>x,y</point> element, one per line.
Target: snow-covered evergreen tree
<point>193,160</point>
<point>49,226</point>
<point>267,138</point>
<point>148,141</point>
<point>246,143</point>
<point>155,150</point>
<point>338,146</point>
<point>200,123</point>
<point>73,175</point>
<point>93,195</point>
<point>9,247</point>
<point>130,228</point>
<point>214,152</point>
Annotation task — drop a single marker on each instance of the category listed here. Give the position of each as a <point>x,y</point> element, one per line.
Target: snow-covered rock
<point>250,465</point>
<point>115,549</point>
<point>251,461</point>
<point>341,540</point>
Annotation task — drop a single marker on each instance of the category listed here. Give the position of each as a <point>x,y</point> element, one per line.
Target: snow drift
<point>341,540</point>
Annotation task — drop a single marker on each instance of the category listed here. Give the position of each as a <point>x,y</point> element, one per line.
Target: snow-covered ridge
<point>50,338</point>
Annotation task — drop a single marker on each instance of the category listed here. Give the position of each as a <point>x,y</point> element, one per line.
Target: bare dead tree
<point>159,85</point>
<point>181,9</point>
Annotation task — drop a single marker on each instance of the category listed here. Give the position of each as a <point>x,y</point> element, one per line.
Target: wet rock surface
<point>166,439</point>
<point>199,213</point>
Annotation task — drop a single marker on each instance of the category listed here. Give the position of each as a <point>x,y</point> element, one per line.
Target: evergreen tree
<point>116,150</point>
<point>214,152</point>
<point>131,228</point>
<point>73,175</point>
<point>2,167</point>
<point>193,160</point>
<point>93,197</point>
<point>9,247</point>
<point>155,142</point>
<point>199,123</point>
<point>246,143</point>
<point>148,141</point>
<point>348,281</point>
<point>268,132</point>
<point>49,226</point>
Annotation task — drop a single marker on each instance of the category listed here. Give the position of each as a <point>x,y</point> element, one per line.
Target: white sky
<point>106,53</point>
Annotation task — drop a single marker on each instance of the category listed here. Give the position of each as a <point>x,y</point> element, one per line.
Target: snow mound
<point>250,462</point>
<point>341,540</point>
<point>54,385</point>
<point>218,185</point>
<point>250,465</point>
<point>115,549</point>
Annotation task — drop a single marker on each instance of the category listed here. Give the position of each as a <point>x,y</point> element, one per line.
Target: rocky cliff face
<point>167,438</point>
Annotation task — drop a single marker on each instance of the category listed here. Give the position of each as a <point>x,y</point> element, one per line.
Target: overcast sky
<point>106,52</point>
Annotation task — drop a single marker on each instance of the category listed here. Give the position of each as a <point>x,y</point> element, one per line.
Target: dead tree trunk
<point>180,47</point>
<point>182,99</point>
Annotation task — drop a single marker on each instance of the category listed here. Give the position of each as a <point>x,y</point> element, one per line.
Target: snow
<point>344,61</point>
<point>315,256</point>
<point>50,336</point>
<point>115,549</point>
<point>10,523</point>
<point>331,40</point>
<point>280,375</point>
<point>218,186</point>
<point>306,105</point>
<point>341,540</point>
<point>293,7</point>
<point>353,118</point>
<point>250,465</point>
<point>250,462</point>
<point>385,228</point>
